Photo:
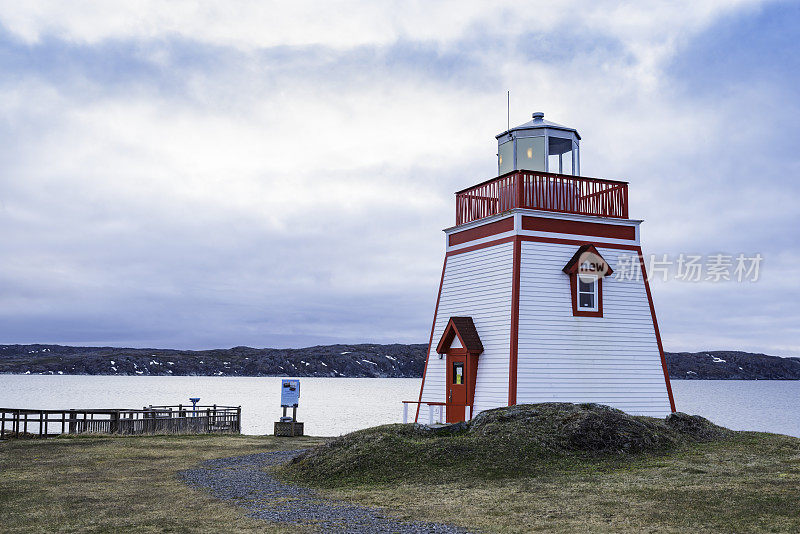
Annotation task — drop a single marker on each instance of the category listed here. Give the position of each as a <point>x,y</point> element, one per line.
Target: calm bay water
<point>333,406</point>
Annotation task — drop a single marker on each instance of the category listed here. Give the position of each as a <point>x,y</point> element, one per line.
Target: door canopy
<point>464,329</point>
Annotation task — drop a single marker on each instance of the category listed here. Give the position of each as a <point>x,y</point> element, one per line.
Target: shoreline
<point>50,373</point>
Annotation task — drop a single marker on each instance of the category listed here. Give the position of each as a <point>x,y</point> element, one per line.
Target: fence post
<point>625,201</point>
<point>42,423</point>
<point>114,425</point>
<point>2,424</point>
<point>239,419</point>
<point>72,421</point>
<point>208,420</point>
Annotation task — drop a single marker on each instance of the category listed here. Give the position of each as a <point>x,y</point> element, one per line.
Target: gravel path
<point>243,480</point>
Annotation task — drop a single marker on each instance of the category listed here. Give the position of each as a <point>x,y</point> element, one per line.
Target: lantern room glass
<point>560,155</point>
<point>530,153</point>
<point>505,157</point>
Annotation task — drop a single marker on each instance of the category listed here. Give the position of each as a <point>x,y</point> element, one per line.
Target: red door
<point>456,387</point>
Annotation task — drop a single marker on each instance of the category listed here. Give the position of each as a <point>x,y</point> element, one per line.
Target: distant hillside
<point>364,360</point>
<point>731,365</point>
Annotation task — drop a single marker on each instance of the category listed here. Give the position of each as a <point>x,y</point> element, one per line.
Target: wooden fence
<point>179,419</point>
<point>543,191</point>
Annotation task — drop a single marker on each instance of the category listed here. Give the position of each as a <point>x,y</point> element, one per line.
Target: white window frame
<point>595,293</point>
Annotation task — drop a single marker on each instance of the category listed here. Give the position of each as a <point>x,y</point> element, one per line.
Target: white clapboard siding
<point>476,284</point>
<point>611,360</point>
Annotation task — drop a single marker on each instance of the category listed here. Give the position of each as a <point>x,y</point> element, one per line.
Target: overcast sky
<point>238,173</point>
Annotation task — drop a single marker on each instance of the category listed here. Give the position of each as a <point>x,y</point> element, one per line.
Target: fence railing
<point>177,419</point>
<point>543,191</point>
<point>437,411</point>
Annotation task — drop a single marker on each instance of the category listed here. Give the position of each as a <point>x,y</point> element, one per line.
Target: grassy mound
<point>520,439</point>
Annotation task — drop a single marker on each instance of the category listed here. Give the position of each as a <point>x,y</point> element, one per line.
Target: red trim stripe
<point>482,245</point>
<point>430,342</point>
<point>513,349</point>
<point>561,226</point>
<point>479,232</point>
<point>576,242</point>
<point>658,334</point>
<point>542,240</point>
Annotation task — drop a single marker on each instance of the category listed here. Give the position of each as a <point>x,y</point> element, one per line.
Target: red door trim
<point>468,380</point>
<point>512,352</point>
<point>658,334</point>
<point>430,342</point>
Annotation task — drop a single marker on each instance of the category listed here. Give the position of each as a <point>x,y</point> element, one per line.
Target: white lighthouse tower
<point>534,305</point>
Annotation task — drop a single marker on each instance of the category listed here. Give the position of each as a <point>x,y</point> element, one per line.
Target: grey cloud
<point>98,250</point>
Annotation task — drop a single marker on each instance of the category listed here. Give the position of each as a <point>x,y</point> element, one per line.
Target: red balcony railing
<point>543,191</point>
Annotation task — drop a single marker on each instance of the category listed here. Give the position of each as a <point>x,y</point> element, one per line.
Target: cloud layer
<point>272,175</point>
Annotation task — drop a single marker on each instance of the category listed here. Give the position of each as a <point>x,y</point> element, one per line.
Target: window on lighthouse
<point>505,158</point>
<point>559,155</point>
<point>458,373</point>
<point>530,153</point>
<point>587,292</point>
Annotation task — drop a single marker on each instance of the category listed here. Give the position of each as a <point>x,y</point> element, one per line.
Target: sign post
<point>290,398</point>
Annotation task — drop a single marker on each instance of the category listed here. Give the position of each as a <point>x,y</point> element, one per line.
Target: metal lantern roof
<point>539,145</point>
<point>537,123</point>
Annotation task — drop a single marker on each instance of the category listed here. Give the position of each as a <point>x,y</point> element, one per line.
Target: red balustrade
<point>543,191</point>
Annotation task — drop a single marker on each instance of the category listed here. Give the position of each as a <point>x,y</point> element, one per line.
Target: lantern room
<point>539,145</point>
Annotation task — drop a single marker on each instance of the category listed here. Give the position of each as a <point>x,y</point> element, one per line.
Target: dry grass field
<point>122,484</point>
<point>567,468</point>
<point>748,482</point>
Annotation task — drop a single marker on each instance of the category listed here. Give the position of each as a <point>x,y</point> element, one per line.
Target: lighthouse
<point>544,295</point>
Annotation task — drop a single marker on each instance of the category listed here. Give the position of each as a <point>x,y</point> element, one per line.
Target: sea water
<point>334,406</point>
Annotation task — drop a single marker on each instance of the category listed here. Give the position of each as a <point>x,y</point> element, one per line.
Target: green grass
<point>500,443</point>
<point>122,484</point>
<point>567,468</point>
<point>744,482</point>
<point>750,483</point>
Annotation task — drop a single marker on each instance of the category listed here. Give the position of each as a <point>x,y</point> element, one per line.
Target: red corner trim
<point>655,326</point>
<point>514,344</point>
<point>430,342</point>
